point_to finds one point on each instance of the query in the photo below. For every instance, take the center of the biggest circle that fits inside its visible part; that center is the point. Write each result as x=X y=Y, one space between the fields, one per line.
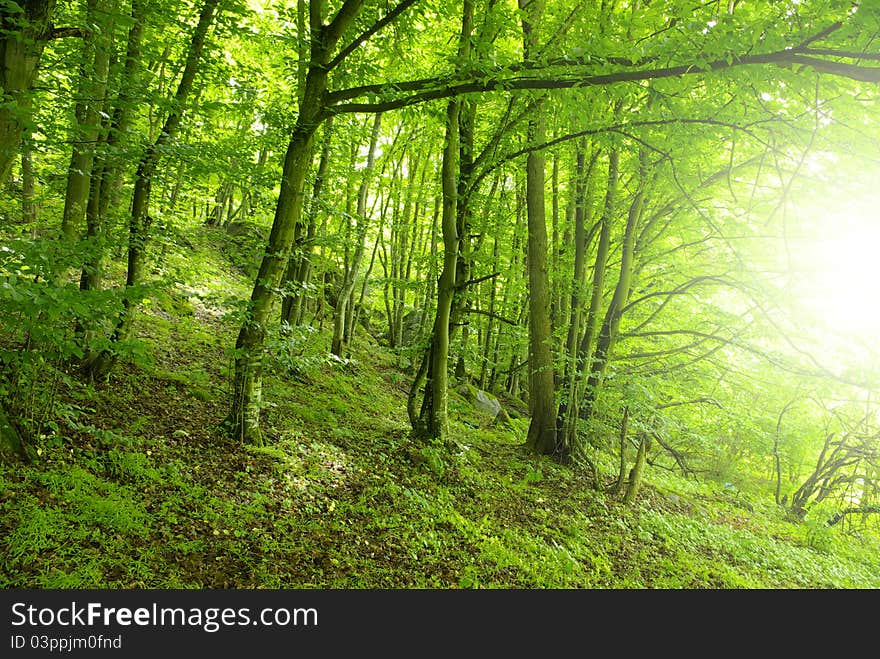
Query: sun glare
x=837 y=263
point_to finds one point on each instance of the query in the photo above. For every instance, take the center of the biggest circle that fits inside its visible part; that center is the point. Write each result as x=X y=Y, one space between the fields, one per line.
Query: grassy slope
x=143 y=491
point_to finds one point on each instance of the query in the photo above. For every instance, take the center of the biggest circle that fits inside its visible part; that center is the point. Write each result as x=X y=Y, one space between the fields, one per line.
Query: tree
x=243 y=420
x=25 y=29
x=140 y=220
x=796 y=48
x=342 y=326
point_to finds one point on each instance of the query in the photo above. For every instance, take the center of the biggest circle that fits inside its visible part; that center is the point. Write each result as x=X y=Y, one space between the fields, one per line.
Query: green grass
x=138 y=488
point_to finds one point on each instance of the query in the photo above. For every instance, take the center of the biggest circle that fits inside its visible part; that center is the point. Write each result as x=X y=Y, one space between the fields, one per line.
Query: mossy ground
x=139 y=488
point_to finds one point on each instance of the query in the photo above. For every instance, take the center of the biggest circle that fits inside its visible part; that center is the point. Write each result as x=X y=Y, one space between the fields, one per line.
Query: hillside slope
x=138 y=488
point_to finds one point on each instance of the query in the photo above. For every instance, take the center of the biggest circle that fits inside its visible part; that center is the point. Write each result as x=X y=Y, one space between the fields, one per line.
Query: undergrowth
x=136 y=486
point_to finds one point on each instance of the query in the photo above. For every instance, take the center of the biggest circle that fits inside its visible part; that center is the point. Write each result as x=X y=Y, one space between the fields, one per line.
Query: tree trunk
x=94 y=69
x=542 y=428
x=433 y=420
x=140 y=220
x=542 y=435
x=28 y=182
x=25 y=28
x=243 y=420
x=582 y=361
x=487 y=340
x=299 y=268
x=107 y=169
x=635 y=474
x=608 y=332
x=621 y=474
x=578 y=291
x=776 y=459
x=343 y=315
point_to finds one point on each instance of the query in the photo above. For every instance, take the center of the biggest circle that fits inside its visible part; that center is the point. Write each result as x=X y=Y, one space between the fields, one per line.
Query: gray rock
x=487 y=403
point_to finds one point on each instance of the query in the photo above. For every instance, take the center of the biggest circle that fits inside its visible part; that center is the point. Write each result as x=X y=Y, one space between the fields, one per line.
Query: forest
x=400 y=294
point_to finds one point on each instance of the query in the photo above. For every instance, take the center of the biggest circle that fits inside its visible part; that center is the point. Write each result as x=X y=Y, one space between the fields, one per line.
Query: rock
x=249 y=229
x=468 y=392
x=502 y=419
x=487 y=403
x=484 y=402
x=412 y=323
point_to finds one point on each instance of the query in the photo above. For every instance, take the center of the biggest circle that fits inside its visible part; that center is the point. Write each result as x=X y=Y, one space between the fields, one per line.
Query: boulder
x=412 y=323
x=487 y=403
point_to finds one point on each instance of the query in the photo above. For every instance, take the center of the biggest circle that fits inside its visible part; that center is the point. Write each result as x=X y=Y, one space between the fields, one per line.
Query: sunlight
x=836 y=257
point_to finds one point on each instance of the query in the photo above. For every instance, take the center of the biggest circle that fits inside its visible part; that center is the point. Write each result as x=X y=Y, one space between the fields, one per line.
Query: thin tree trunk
x=776 y=458
x=433 y=423
x=342 y=316
x=25 y=28
x=433 y=420
x=94 y=69
x=583 y=363
x=243 y=420
x=572 y=365
x=140 y=220
x=487 y=341
x=299 y=268
x=107 y=170
x=28 y=182
x=608 y=332
x=635 y=474
x=621 y=473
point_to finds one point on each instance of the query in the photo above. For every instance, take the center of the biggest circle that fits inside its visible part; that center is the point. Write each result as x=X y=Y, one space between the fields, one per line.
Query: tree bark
x=433 y=422
x=107 y=170
x=243 y=420
x=565 y=434
x=94 y=69
x=621 y=473
x=608 y=333
x=140 y=220
x=299 y=268
x=28 y=181
x=25 y=28
x=542 y=427
x=583 y=364
x=342 y=316
x=635 y=474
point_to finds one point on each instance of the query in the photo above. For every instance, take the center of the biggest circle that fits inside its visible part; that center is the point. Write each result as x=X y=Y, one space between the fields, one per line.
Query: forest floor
x=136 y=487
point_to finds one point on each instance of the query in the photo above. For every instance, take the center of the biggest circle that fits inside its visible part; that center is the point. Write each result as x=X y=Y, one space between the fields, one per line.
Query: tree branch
x=438 y=88
x=471 y=282
x=64 y=32
x=695 y=401
x=852 y=511
x=369 y=32
x=819 y=35
x=681 y=289
x=492 y=315
x=332 y=32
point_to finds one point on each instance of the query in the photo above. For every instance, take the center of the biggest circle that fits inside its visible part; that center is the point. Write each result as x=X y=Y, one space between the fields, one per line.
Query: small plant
x=818 y=534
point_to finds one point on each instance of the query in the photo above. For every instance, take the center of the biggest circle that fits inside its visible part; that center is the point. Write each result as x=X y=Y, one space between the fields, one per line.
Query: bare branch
x=438 y=88
x=492 y=315
x=852 y=511
x=471 y=282
x=695 y=401
x=390 y=17
x=820 y=35
x=64 y=32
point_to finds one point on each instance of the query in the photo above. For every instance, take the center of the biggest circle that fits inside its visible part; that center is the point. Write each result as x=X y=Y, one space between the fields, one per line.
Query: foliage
x=695 y=166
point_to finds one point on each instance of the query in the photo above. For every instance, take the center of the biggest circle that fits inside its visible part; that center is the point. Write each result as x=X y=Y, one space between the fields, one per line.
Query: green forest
x=431 y=294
